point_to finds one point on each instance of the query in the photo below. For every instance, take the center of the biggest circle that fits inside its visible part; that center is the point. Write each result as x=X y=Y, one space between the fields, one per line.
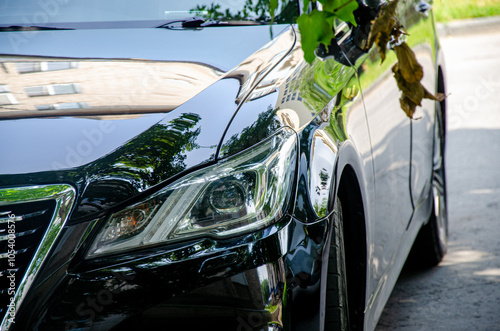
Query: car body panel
x=403 y=174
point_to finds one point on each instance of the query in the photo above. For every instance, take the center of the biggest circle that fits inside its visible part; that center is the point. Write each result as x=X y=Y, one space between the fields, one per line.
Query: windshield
x=130 y=13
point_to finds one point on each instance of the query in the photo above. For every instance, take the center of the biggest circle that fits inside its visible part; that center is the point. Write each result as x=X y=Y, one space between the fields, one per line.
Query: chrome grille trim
x=64 y=197
x=20 y=218
x=5 y=255
x=20 y=234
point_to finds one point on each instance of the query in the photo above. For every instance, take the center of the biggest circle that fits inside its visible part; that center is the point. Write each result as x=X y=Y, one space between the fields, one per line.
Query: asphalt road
x=463 y=292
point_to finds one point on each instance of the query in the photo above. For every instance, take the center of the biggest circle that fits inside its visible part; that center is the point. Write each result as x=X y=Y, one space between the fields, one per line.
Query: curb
x=468 y=26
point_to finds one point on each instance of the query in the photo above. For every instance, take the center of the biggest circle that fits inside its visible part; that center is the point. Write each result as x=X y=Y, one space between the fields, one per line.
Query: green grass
x=447 y=10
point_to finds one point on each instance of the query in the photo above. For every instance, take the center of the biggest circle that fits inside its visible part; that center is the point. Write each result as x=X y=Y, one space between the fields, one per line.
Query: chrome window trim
x=64 y=196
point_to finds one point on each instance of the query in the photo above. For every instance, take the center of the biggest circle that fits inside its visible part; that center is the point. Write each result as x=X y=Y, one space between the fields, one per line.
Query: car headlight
x=244 y=192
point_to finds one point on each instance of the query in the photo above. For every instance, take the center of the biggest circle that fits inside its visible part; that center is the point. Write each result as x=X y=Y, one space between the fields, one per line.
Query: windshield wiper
x=198 y=22
x=29 y=28
x=190 y=22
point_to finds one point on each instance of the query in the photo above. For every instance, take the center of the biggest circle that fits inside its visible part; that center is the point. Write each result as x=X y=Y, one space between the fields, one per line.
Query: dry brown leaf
x=412 y=93
x=438 y=97
x=407 y=72
x=398 y=30
x=410 y=69
x=407 y=105
x=382 y=28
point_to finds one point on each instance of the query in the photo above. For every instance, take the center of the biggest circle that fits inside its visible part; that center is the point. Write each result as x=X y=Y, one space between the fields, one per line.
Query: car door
x=390 y=134
x=401 y=147
x=423 y=43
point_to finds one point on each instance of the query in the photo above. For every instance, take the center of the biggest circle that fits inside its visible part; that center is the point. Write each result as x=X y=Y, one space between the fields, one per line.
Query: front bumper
x=269 y=279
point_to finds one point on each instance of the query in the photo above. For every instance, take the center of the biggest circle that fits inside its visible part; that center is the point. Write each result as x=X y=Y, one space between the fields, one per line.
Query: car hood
x=115 y=112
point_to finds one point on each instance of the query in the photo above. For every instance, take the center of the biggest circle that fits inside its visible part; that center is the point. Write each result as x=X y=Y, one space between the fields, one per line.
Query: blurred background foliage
x=448 y=10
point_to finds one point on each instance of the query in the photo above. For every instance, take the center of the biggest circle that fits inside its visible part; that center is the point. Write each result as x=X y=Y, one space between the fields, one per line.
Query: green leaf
x=345 y=10
x=314 y=29
x=306 y=4
x=329 y=5
x=273 y=5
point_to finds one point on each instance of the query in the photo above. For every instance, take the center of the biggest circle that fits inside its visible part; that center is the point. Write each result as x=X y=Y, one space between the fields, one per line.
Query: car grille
x=31 y=219
x=29 y=222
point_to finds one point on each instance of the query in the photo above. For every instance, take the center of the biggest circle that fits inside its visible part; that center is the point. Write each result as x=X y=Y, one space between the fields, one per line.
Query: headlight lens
x=241 y=193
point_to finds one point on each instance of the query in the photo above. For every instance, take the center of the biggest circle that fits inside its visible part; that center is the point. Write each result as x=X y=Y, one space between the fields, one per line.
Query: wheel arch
x=355 y=241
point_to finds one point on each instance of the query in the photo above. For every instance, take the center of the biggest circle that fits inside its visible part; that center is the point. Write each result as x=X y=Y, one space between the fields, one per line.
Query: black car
x=179 y=165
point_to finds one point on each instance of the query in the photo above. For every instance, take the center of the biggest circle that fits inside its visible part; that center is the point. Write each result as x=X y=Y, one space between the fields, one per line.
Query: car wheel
x=336 y=307
x=432 y=241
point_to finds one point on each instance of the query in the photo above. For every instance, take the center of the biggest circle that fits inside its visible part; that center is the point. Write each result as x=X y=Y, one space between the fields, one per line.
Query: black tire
x=336 y=307
x=432 y=241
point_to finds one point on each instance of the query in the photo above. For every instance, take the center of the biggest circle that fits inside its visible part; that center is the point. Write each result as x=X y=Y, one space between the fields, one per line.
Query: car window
x=62 y=13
